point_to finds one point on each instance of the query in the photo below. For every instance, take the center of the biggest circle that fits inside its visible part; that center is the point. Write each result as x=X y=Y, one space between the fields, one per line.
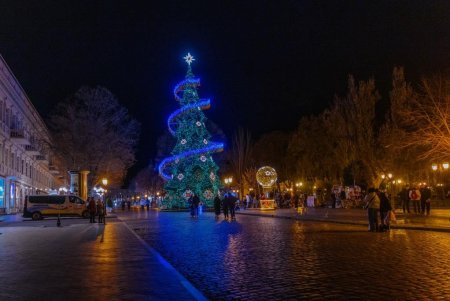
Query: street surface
x=258 y=258
x=81 y=261
x=253 y=258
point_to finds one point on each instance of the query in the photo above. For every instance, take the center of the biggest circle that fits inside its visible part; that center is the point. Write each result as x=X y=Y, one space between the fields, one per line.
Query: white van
x=39 y=206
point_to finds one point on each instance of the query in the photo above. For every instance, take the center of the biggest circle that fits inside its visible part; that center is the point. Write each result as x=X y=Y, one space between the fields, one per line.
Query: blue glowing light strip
x=181 y=85
x=214 y=147
x=202 y=104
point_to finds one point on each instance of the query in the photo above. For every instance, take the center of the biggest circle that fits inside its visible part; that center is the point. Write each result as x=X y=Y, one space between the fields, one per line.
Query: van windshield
x=76 y=200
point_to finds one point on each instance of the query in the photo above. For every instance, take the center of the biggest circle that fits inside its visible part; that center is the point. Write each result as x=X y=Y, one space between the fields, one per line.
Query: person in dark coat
x=231 y=201
x=404 y=197
x=225 y=206
x=92 y=207
x=217 y=206
x=191 y=205
x=195 y=203
x=100 y=211
x=425 y=200
x=296 y=198
x=385 y=207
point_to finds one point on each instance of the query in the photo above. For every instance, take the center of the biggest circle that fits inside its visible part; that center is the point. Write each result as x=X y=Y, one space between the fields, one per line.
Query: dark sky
x=263 y=63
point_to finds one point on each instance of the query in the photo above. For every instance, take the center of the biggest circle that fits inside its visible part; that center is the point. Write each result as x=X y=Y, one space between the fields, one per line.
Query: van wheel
x=36 y=216
x=85 y=214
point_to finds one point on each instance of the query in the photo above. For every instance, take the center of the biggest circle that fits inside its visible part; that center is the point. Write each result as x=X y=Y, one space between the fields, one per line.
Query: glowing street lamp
x=105 y=181
x=228 y=181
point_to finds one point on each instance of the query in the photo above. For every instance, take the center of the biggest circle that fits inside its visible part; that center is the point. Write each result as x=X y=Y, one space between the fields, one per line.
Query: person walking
x=191 y=205
x=196 y=204
x=385 y=207
x=232 y=205
x=225 y=206
x=217 y=205
x=372 y=204
x=404 y=198
x=425 y=200
x=231 y=200
x=414 y=196
x=247 y=201
x=92 y=209
x=100 y=211
x=296 y=199
x=333 y=200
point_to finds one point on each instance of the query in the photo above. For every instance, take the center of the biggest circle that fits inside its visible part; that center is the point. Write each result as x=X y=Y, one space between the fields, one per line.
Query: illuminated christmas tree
x=191 y=168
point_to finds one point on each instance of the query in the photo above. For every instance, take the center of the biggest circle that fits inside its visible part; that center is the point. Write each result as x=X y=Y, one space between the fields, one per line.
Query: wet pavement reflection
x=256 y=258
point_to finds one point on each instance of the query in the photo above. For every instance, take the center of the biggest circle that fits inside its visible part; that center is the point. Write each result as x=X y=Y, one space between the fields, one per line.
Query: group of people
x=377 y=202
x=194 y=205
x=96 y=208
x=227 y=205
x=419 y=198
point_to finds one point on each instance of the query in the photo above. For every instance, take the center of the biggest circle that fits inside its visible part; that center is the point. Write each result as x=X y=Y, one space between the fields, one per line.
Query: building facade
x=26 y=160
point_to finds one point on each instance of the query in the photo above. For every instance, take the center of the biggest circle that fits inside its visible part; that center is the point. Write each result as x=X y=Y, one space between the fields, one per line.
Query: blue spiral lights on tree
x=191 y=168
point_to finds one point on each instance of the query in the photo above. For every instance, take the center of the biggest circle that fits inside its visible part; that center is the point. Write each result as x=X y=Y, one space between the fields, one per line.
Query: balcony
x=41 y=159
x=18 y=137
x=31 y=150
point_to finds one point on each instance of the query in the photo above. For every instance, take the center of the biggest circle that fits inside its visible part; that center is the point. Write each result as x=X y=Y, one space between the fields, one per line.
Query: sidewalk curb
x=334 y=221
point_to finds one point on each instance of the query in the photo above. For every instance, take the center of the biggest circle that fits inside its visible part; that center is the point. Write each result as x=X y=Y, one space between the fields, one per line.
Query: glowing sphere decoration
x=266 y=176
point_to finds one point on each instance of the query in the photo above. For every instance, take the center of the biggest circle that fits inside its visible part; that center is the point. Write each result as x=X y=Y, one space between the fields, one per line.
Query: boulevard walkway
x=438 y=220
x=83 y=261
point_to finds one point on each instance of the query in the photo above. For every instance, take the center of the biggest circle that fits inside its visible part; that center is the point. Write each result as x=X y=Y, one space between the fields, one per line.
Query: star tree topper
x=189 y=58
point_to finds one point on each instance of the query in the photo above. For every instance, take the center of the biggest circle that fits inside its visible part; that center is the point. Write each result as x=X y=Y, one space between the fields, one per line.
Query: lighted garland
x=202 y=104
x=191 y=165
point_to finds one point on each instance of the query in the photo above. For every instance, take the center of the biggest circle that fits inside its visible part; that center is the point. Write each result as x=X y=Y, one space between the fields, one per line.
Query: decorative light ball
x=203 y=158
x=198 y=123
x=183 y=141
x=212 y=176
x=180 y=176
x=205 y=141
x=208 y=194
x=266 y=176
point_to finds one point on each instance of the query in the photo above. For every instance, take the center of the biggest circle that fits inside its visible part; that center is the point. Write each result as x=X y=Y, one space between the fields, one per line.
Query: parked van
x=39 y=206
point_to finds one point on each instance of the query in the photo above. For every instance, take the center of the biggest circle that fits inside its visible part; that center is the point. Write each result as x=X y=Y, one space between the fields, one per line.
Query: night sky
x=264 y=64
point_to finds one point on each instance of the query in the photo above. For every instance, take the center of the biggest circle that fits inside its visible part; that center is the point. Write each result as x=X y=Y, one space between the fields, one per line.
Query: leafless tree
x=148 y=181
x=240 y=156
x=426 y=119
x=93 y=131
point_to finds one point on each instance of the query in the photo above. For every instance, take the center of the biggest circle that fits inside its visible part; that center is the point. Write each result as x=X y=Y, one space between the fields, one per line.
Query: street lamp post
x=228 y=181
x=440 y=182
x=104 y=182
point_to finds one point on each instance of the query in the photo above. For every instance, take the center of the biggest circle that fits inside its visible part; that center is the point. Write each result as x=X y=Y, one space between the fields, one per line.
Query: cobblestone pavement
x=257 y=258
x=82 y=261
